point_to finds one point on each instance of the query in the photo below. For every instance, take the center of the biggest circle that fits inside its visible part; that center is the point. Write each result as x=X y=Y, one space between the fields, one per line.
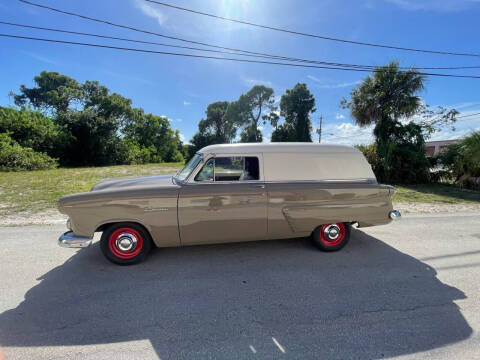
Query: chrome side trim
x=70 y=240
x=206 y=182
x=326 y=181
x=149 y=209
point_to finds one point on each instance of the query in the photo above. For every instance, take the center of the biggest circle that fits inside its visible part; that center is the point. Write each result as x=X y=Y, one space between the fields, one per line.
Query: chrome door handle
x=261 y=186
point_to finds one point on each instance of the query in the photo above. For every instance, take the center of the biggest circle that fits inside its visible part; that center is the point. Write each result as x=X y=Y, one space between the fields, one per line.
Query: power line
x=221 y=58
x=464 y=116
x=261 y=55
x=125 y=39
x=132 y=28
x=311 y=35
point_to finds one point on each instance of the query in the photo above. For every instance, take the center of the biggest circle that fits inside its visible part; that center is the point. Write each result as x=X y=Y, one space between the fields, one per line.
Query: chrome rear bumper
x=70 y=240
x=395 y=215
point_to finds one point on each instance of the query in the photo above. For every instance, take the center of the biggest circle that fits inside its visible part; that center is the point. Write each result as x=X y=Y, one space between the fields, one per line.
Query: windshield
x=191 y=165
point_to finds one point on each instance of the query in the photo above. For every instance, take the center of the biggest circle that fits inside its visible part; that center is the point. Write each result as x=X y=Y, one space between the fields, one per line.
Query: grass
x=35 y=191
x=435 y=194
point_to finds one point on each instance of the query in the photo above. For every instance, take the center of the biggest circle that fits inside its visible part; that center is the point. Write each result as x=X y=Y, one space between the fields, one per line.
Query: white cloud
x=463 y=127
x=127 y=77
x=151 y=11
x=347 y=134
x=186 y=103
x=39 y=57
x=339 y=116
x=434 y=5
x=332 y=86
x=252 y=82
x=182 y=137
x=340 y=85
x=314 y=78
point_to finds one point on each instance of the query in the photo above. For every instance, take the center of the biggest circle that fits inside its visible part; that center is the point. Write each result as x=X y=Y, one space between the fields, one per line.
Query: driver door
x=225 y=201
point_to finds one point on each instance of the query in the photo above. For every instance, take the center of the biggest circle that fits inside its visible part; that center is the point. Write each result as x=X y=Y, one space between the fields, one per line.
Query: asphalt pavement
x=409 y=289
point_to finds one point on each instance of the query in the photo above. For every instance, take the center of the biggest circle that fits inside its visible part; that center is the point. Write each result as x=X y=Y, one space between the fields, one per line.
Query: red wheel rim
x=332 y=234
x=125 y=243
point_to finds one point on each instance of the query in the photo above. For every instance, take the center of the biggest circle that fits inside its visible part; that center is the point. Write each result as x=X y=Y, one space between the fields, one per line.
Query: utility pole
x=319 y=131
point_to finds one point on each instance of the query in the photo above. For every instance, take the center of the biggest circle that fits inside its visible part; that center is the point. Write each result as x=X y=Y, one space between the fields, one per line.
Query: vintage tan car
x=233 y=193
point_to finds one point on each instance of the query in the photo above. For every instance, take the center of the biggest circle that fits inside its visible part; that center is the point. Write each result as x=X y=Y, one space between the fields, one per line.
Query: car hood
x=111 y=184
x=118 y=189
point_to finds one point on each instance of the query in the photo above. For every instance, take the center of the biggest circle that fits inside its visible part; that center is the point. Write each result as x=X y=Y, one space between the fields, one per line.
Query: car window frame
x=208 y=157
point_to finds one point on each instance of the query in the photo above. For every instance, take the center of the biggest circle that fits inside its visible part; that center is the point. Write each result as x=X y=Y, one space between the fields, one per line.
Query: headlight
x=69 y=224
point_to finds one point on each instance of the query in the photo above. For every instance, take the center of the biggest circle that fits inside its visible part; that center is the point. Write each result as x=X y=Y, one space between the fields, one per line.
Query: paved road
x=406 y=289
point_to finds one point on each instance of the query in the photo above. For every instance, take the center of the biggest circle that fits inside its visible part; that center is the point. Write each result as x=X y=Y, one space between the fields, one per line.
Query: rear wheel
x=125 y=243
x=331 y=237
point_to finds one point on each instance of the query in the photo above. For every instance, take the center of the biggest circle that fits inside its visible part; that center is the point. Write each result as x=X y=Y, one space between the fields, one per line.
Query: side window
x=251 y=169
x=230 y=168
x=206 y=174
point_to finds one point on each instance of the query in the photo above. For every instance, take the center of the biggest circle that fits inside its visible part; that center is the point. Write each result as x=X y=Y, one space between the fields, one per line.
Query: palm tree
x=383 y=98
x=386 y=96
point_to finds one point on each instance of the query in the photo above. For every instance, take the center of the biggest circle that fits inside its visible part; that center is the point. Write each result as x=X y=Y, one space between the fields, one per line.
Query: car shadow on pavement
x=244 y=300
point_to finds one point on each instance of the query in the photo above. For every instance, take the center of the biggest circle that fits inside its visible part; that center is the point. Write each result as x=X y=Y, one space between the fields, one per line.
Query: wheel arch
x=104 y=225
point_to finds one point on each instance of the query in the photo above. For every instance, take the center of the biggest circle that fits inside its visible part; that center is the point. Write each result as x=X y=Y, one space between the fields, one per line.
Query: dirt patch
x=428 y=208
x=47 y=217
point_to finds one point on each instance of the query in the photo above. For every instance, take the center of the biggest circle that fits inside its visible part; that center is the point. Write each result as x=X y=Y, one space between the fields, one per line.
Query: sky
x=181 y=88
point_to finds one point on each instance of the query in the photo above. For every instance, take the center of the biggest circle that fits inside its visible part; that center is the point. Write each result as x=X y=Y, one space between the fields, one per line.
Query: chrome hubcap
x=126 y=242
x=332 y=232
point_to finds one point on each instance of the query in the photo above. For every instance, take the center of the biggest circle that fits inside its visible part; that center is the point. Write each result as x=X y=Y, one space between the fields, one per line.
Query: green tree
x=296 y=106
x=153 y=132
x=257 y=104
x=383 y=99
x=102 y=127
x=216 y=128
x=106 y=105
x=53 y=92
x=96 y=141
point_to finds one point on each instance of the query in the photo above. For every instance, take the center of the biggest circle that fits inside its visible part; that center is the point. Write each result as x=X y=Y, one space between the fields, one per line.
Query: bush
x=462 y=159
x=403 y=159
x=31 y=129
x=14 y=157
x=369 y=151
x=177 y=157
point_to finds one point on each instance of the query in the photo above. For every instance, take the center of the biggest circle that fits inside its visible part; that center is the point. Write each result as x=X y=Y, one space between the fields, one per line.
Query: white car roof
x=283 y=147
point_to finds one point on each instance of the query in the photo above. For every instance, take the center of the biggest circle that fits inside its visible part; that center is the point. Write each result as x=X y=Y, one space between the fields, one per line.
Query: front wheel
x=331 y=237
x=125 y=243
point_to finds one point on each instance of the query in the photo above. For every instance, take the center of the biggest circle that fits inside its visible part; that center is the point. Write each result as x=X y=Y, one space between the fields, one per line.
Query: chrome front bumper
x=70 y=240
x=395 y=215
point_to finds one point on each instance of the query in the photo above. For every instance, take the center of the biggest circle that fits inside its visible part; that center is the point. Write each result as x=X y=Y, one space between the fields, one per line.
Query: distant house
x=433 y=148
